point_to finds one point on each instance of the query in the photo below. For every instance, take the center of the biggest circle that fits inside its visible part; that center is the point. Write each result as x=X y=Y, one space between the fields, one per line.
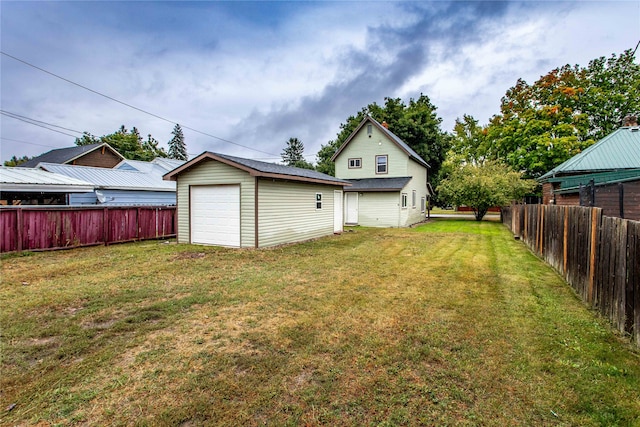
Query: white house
x=389 y=179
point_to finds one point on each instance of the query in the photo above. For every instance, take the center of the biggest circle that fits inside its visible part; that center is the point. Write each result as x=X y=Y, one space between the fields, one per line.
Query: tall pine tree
x=177 y=146
x=293 y=154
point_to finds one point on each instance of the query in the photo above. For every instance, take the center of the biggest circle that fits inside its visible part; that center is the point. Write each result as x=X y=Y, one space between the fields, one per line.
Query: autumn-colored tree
x=563 y=112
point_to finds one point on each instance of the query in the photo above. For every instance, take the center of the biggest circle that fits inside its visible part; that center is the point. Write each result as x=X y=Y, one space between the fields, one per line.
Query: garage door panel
x=215 y=215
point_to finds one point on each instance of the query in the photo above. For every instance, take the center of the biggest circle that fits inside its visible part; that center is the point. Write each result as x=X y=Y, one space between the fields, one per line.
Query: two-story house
x=389 y=179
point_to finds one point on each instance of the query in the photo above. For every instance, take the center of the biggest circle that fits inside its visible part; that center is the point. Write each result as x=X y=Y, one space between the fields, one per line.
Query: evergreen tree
x=293 y=154
x=177 y=146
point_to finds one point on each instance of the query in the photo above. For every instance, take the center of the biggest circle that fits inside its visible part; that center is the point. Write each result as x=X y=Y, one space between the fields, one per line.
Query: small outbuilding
x=231 y=201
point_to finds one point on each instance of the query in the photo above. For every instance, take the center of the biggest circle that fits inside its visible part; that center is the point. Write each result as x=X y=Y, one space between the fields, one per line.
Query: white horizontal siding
x=211 y=172
x=379 y=209
x=418 y=183
x=287 y=212
x=365 y=148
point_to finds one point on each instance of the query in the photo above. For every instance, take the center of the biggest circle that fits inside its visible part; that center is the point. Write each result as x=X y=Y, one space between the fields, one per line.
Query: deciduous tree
x=483 y=185
x=128 y=143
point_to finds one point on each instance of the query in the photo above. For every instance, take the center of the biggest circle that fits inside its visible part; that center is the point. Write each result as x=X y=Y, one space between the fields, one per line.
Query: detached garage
x=230 y=201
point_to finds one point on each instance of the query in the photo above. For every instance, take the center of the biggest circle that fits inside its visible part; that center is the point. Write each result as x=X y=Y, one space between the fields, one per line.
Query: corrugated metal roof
x=618 y=150
x=159 y=165
x=29 y=179
x=378 y=184
x=114 y=179
x=602 y=178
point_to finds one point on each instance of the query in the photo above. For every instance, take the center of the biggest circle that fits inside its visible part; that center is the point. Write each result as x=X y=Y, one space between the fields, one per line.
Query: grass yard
x=450 y=323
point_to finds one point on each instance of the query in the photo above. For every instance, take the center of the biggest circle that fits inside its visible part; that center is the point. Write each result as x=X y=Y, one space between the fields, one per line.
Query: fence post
x=105 y=226
x=621 y=198
x=592 y=253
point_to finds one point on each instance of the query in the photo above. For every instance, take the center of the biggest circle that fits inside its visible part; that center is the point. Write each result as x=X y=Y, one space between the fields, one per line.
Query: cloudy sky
x=244 y=77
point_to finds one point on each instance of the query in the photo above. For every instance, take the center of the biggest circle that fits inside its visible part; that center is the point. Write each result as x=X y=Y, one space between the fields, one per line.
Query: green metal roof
x=572 y=183
x=618 y=150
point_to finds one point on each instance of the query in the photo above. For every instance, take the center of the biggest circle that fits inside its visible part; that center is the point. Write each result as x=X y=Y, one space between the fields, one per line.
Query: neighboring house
x=117 y=187
x=28 y=186
x=606 y=175
x=231 y=201
x=99 y=155
x=389 y=180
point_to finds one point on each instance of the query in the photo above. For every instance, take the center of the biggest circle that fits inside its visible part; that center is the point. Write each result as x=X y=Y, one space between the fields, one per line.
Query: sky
x=243 y=77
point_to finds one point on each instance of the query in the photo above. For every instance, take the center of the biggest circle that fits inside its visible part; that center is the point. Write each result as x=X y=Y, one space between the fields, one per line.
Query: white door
x=351 y=208
x=215 y=215
x=337 y=211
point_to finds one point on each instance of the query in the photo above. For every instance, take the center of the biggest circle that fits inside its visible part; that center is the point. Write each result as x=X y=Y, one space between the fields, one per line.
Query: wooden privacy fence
x=42 y=228
x=599 y=256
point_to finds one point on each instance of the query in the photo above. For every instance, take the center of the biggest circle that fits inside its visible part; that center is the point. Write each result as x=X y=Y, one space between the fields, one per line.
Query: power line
x=27 y=142
x=18 y=116
x=36 y=124
x=131 y=106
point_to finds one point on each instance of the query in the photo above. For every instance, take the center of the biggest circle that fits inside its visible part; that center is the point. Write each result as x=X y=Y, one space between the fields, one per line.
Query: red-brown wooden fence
x=43 y=228
x=599 y=256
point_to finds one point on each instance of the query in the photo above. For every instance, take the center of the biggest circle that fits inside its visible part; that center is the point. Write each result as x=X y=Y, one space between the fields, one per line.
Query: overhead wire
x=36 y=124
x=132 y=106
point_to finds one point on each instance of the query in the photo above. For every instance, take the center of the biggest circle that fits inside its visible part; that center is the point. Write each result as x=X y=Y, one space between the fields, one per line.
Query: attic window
x=355 y=163
x=369 y=129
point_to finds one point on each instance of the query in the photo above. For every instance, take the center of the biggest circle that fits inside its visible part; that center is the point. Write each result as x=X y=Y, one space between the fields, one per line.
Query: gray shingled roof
x=262 y=168
x=60 y=155
x=281 y=169
x=378 y=184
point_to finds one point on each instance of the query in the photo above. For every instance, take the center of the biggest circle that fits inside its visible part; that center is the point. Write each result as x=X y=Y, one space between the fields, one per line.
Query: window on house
x=381 y=164
x=404 y=200
x=423 y=204
x=413 y=199
x=369 y=129
x=318 y=200
x=355 y=163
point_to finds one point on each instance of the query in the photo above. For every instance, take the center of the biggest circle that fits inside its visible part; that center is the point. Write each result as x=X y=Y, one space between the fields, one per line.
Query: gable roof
x=392 y=137
x=112 y=179
x=618 y=150
x=38 y=180
x=67 y=155
x=261 y=169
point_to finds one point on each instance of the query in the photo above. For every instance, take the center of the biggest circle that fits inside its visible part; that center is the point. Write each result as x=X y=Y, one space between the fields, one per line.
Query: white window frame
x=355 y=163
x=318 y=201
x=413 y=199
x=385 y=164
x=403 y=200
x=423 y=204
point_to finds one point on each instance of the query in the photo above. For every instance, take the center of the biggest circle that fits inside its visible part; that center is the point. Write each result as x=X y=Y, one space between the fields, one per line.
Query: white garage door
x=215 y=215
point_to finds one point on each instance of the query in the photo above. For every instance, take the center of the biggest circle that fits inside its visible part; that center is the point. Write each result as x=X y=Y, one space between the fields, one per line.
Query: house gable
x=100 y=155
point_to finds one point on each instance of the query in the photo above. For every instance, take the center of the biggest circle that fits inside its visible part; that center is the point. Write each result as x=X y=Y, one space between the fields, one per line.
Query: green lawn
x=450 y=323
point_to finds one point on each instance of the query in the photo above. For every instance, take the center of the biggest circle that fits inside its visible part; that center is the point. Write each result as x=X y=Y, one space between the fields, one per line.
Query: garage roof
x=261 y=169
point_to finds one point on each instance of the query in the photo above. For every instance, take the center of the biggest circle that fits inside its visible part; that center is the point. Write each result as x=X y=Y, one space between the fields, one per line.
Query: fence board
x=64 y=227
x=599 y=256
